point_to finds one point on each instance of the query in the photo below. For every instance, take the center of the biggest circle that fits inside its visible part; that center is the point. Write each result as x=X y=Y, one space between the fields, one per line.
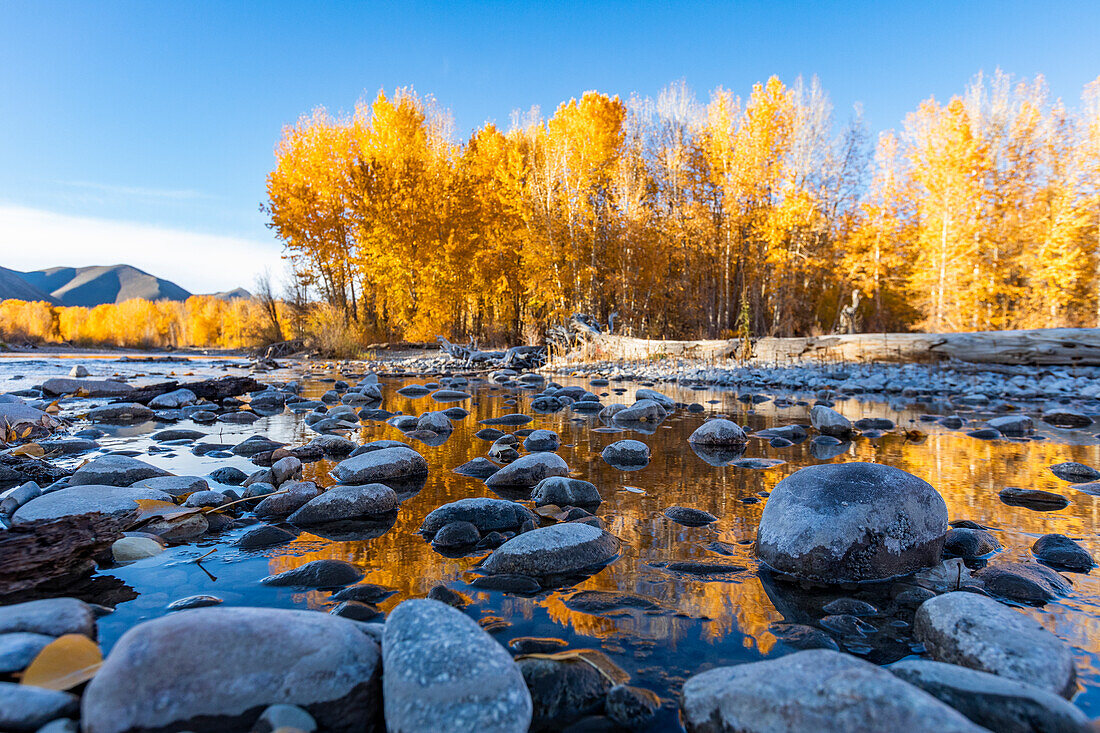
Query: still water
x=706 y=622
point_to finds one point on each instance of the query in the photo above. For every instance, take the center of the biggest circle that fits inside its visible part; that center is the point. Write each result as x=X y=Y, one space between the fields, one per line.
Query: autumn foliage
x=679 y=218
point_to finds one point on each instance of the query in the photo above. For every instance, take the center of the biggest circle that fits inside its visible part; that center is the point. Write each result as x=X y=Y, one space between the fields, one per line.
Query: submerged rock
x=814 y=690
x=980 y=633
x=443 y=672
x=1040 y=501
x=321 y=663
x=851 y=522
x=562 y=690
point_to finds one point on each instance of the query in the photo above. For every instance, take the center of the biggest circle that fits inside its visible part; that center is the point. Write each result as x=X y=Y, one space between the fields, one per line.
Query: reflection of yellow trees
x=968 y=472
x=201 y=320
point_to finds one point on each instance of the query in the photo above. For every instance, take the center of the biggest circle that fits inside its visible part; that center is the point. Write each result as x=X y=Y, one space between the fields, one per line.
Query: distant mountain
x=14 y=286
x=91 y=286
x=233 y=294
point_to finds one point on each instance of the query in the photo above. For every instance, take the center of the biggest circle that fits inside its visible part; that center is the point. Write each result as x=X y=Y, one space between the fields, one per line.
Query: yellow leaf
x=53 y=408
x=29 y=449
x=152 y=508
x=64 y=663
x=26 y=432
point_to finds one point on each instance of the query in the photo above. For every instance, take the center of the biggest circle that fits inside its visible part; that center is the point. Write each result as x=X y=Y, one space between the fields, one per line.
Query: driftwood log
x=1045 y=346
x=50 y=550
x=214 y=390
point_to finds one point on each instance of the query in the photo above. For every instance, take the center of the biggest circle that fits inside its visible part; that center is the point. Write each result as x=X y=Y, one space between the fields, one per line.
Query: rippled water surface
x=708 y=622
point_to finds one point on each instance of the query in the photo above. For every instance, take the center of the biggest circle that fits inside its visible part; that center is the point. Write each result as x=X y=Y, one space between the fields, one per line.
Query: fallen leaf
x=151 y=508
x=64 y=663
x=29 y=449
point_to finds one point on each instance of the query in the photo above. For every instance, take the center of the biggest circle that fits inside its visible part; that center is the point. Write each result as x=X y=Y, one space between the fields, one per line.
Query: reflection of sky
x=714 y=623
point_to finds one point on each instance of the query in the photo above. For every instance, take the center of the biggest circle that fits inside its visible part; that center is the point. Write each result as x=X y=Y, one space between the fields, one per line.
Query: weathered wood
x=1048 y=346
x=43 y=551
x=214 y=390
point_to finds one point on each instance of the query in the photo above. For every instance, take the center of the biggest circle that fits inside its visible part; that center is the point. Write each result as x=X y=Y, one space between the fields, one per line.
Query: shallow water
x=708 y=622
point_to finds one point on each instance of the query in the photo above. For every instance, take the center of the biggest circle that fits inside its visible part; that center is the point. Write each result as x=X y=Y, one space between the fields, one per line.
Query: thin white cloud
x=34 y=239
x=137 y=191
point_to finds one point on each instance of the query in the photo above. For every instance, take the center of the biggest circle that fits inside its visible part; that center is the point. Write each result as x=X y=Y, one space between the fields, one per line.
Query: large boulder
x=562 y=549
x=116 y=501
x=488 y=515
x=978 y=632
x=813 y=690
x=444 y=672
x=528 y=471
x=219 y=668
x=997 y=703
x=380 y=465
x=851 y=522
x=115 y=470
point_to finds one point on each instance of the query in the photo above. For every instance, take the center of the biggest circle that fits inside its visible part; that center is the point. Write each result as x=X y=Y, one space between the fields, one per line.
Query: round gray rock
x=444 y=672
x=346 y=502
x=321 y=663
x=718 y=431
x=813 y=690
x=558 y=549
x=565 y=491
x=116 y=501
x=115 y=471
x=380 y=465
x=529 y=470
x=851 y=522
x=978 y=632
x=488 y=515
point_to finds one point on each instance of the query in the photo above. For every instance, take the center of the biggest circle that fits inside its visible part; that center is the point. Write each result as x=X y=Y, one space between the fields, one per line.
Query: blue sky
x=130 y=131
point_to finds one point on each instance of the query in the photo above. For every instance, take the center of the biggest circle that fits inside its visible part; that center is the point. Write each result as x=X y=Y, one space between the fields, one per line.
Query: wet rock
x=847 y=625
x=513 y=419
x=1026 y=582
x=116 y=501
x=558 y=549
x=456 y=534
x=611 y=603
x=980 y=633
x=536 y=645
x=969 y=543
x=178 y=529
x=642 y=411
x=285 y=718
x=28 y=708
x=1040 y=501
x=114 y=470
x=452 y=598
x=120 y=413
x=175 y=399
x=285 y=469
x=413 y=390
x=1013 y=425
x=850 y=607
x=450 y=395
x=994 y=702
x=632 y=707
x=851 y=522
x=478 y=468
x=800 y=636
x=1066 y=418
x=88 y=387
x=489 y=434
x=566 y=491
x=364 y=592
x=356 y=611
x=1075 y=473
x=203 y=499
x=541 y=440
x=66 y=446
x=255 y=445
x=228 y=475
x=985 y=434
x=132 y=549
x=49 y=617
x=814 y=690
x=690 y=517
x=528 y=471
x=435 y=422
x=650 y=394
x=503 y=452
x=1060 y=551
x=487 y=515
x=19 y=649
x=380 y=465
x=174 y=485
x=828 y=421
x=200 y=601
x=346 y=502
x=321 y=663
x=317 y=574
x=333 y=445
x=297 y=495
x=266 y=535
x=626 y=453
x=562 y=690
x=177 y=434
x=719 y=432
x=507 y=583
x=443 y=672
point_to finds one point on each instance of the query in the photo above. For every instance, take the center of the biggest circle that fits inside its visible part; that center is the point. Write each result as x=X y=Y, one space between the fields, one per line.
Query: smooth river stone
x=559 y=549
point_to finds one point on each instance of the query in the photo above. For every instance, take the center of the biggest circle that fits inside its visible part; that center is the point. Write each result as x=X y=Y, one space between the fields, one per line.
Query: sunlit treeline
x=201 y=320
x=689 y=217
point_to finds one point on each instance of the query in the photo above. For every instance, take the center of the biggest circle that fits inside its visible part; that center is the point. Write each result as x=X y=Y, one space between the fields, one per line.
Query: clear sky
x=141 y=132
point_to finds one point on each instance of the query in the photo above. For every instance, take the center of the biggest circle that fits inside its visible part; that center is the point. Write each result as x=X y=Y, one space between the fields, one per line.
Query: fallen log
x=214 y=390
x=1046 y=346
x=52 y=550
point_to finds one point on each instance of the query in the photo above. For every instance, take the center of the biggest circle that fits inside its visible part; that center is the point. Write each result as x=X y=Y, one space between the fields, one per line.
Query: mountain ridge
x=94 y=285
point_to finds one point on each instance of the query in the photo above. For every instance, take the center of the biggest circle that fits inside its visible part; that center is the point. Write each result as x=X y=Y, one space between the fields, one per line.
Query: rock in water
x=380 y=465
x=1026 y=582
x=828 y=421
x=115 y=471
x=559 y=549
x=346 y=502
x=1075 y=473
x=488 y=515
x=626 y=453
x=317 y=574
x=565 y=491
x=563 y=690
x=718 y=432
x=443 y=672
x=813 y=690
x=994 y=702
x=851 y=522
x=1060 y=551
x=49 y=617
x=978 y=632
x=114 y=501
x=219 y=668
x=529 y=470
x=28 y=708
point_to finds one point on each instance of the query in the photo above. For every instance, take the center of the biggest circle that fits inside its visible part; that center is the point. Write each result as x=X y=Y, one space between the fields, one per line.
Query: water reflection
x=711 y=620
